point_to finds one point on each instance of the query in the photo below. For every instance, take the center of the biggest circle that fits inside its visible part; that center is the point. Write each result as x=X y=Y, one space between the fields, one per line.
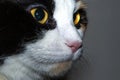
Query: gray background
x=101 y=59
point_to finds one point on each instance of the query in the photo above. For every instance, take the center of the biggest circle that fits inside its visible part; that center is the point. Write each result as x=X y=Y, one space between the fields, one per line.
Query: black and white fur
x=30 y=51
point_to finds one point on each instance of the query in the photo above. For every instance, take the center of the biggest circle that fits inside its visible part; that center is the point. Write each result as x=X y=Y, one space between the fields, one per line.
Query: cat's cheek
x=81 y=33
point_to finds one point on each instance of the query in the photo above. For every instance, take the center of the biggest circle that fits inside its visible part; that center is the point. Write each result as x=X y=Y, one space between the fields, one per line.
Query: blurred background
x=101 y=58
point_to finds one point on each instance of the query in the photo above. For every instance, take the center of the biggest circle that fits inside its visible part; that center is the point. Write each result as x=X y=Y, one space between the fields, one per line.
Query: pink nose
x=74 y=45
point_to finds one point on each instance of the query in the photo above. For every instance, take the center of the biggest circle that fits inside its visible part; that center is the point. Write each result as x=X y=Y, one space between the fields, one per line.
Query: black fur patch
x=17 y=26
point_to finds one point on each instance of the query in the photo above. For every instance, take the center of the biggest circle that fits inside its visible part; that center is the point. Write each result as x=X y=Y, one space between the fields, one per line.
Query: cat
x=40 y=38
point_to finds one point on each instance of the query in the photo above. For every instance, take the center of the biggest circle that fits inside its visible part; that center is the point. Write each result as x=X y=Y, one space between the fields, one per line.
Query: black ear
x=15 y=23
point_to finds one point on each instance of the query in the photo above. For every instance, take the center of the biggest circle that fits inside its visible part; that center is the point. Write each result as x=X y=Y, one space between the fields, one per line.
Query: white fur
x=64 y=16
x=45 y=54
x=13 y=69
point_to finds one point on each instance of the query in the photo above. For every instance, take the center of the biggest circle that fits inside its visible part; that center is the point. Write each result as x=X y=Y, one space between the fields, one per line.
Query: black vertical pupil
x=74 y=16
x=39 y=14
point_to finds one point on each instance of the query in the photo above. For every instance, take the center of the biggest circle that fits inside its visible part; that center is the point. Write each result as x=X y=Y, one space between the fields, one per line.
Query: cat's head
x=62 y=23
x=46 y=31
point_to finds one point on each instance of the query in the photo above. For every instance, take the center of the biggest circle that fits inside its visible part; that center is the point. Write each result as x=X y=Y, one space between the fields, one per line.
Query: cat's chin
x=57 y=69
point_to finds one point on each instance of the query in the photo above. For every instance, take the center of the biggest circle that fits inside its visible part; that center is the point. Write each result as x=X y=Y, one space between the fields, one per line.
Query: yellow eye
x=77 y=18
x=40 y=15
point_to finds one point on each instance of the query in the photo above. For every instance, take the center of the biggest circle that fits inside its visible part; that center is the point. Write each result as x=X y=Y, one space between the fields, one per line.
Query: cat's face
x=62 y=40
x=47 y=31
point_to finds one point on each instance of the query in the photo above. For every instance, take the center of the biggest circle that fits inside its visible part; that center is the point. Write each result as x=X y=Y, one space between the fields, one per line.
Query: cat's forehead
x=50 y=4
x=67 y=2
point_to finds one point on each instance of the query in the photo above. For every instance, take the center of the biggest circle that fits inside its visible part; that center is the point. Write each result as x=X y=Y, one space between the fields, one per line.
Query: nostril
x=81 y=46
x=74 y=45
